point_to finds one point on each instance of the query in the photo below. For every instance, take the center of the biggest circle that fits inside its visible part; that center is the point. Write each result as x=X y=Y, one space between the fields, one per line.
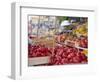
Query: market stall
x=57 y=40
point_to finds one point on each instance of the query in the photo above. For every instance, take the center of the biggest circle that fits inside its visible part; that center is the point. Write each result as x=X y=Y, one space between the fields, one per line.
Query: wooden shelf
x=38 y=60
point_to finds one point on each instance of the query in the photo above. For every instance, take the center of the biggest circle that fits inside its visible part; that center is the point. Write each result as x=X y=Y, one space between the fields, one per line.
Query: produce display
x=38 y=51
x=60 y=55
x=81 y=30
x=83 y=42
x=67 y=55
x=60 y=40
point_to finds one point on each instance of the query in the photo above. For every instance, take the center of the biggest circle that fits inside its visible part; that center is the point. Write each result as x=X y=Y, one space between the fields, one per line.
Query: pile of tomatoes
x=59 y=55
x=67 y=55
x=38 y=51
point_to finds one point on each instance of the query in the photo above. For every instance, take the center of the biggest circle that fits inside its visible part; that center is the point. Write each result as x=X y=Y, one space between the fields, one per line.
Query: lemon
x=85 y=52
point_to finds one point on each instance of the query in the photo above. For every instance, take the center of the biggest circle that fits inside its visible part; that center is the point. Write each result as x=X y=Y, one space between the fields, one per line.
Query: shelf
x=72 y=46
x=38 y=60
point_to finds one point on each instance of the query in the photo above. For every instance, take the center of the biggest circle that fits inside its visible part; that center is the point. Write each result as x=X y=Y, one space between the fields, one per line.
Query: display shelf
x=38 y=60
x=59 y=43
